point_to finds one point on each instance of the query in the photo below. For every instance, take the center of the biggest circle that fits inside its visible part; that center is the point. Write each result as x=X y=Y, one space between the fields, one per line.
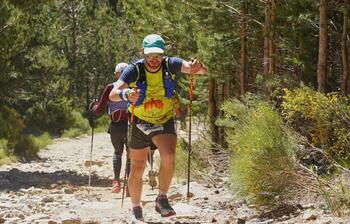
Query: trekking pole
x=125 y=178
x=92 y=144
x=129 y=138
x=189 y=140
x=150 y=157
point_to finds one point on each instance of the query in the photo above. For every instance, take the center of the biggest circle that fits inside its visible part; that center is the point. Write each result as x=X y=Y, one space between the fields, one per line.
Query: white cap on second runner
x=120 y=67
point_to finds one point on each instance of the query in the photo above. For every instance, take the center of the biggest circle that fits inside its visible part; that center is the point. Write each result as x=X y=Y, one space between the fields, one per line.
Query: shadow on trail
x=176 y=222
x=289 y=210
x=15 y=179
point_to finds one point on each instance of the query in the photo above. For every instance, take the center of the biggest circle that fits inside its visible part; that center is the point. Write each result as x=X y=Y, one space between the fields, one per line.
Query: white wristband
x=124 y=94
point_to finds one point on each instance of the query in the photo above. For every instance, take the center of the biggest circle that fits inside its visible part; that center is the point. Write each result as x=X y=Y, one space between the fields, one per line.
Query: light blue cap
x=153 y=43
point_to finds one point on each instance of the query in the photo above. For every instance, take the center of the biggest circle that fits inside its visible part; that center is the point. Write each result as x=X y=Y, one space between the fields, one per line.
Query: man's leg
x=152 y=173
x=117 y=139
x=166 y=144
x=138 y=158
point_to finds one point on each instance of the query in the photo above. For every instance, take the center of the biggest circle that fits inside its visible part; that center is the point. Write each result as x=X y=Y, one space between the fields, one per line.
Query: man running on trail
x=151 y=94
x=118 y=115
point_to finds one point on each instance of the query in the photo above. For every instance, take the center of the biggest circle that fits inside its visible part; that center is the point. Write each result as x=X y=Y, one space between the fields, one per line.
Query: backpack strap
x=168 y=80
x=140 y=82
x=141 y=74
x=166 y=68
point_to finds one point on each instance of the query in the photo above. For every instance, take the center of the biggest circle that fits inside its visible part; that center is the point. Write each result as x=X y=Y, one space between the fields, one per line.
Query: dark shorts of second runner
x=118 y=133
x=140 y=140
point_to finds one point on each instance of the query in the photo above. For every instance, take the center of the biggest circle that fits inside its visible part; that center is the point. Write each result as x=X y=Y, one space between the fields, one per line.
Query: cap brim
x=151 y=50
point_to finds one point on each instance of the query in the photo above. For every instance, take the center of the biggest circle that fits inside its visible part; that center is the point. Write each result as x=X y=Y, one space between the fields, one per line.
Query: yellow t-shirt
x=155 y=108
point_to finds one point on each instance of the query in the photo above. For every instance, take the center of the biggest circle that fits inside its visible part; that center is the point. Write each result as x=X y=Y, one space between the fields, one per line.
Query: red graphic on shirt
x=158 y=104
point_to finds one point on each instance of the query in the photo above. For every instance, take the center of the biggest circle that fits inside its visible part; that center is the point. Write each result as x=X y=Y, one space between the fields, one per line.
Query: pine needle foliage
x=262 y=168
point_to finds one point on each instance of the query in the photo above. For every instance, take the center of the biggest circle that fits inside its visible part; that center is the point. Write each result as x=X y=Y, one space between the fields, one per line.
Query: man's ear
x=142 y=51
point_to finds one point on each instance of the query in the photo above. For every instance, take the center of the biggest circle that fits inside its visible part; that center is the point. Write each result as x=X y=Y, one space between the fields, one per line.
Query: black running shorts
x=143 y=132
x=118 y=134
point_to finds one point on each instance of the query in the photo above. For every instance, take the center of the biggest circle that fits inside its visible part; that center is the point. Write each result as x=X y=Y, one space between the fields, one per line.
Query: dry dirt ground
x=54 y=189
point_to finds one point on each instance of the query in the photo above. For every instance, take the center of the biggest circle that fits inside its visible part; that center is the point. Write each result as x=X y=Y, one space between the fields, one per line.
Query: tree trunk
x=267 y=30
x=70 y=10
x=225 y=94
x=253 y=85
x=344 y=50
x=349 y=78
x=243 y=53
x=322 y=54
x=213 y=112
x=272 y=44
x=254 y=69
x=87 y=98
x=225 y=91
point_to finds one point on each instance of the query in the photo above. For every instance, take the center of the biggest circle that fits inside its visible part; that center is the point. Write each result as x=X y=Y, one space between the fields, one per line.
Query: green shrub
x=12 y=138
x=72 y=132
x=102 y=123
x=262 y=168
x=324 y=119
x=43 y=140
x=5 y=155
x=54 y=116
x=11 y=125
x=79 y=125
x=26 y=147
x=181 y=164
x=79 y=122
x=3 y=148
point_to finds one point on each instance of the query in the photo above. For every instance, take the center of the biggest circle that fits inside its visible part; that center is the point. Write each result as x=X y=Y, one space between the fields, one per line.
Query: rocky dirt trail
x=54 y=189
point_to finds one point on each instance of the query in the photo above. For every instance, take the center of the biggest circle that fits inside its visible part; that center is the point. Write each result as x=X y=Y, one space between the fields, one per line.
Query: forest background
x=276 y=90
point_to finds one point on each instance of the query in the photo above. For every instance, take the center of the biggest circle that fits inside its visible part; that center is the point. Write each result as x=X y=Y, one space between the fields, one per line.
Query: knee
x=138 y=166
x=168 y=158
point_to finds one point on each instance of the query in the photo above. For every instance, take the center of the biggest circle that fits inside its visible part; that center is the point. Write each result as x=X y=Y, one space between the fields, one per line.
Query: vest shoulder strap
x=166 y=69
x=166 y=64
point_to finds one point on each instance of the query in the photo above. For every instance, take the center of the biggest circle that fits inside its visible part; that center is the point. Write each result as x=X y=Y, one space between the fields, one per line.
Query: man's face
x=154 y=60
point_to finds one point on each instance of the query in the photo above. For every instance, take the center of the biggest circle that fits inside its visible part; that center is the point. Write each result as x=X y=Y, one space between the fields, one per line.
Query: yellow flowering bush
x=323 y=118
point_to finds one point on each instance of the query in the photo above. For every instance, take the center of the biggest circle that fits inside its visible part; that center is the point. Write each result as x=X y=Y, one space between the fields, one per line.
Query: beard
x=153 y=66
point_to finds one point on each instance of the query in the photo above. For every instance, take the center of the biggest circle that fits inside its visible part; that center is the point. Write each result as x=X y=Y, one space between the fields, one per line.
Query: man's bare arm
x=193 y=67
x=114 y=95
x=121 y=91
